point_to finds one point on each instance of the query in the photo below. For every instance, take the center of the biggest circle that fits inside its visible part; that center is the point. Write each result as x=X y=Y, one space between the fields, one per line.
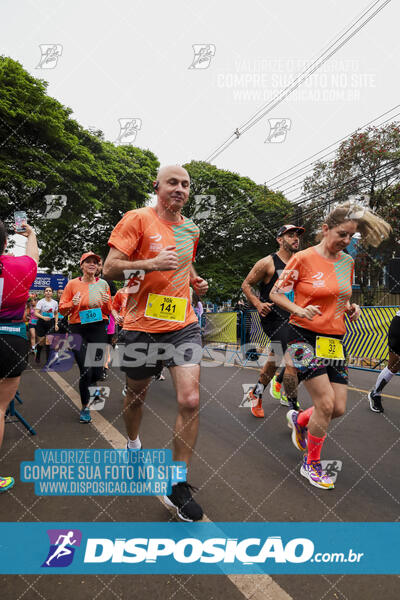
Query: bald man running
x=157 y=245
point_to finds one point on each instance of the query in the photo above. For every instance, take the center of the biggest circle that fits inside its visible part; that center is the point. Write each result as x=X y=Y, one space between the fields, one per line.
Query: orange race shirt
x=141 y=235
x=90 y=298
x=119 y=302
x=322 y=282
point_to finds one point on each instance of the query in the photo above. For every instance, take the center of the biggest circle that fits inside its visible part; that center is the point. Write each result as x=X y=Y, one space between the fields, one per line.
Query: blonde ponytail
x=373 y=229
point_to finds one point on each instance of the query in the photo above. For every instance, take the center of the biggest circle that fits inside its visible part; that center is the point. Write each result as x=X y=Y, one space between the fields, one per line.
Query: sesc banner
x=56 y=281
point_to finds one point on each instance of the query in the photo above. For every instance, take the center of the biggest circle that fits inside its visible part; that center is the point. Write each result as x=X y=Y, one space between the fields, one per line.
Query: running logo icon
x=331 y=468
x=97 y=397
x=54 y=206
x=50 y=53
x=203 y=206
x=62 y=358
x=203 y=53
x=133 y=280
x=63 y=543
x=128 y=129
x=246 y=402
x=278 y=129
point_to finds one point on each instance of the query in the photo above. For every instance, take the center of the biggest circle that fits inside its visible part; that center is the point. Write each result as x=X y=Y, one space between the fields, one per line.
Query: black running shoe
x=294 y=404
x=375 y=402
x=181 y=498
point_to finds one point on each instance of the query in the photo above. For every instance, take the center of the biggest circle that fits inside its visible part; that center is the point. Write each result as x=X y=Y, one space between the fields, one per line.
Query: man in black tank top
x=274 y=320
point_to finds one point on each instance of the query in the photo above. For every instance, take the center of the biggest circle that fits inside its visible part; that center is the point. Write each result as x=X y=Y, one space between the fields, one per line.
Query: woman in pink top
x=17 y=273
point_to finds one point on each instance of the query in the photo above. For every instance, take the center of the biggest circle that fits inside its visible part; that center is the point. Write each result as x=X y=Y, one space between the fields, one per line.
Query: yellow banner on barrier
x=221 y=327
x=367 y=337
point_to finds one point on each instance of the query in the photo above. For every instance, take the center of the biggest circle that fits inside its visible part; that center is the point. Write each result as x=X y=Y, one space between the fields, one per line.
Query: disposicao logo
x=193 y=550
x=62 y=547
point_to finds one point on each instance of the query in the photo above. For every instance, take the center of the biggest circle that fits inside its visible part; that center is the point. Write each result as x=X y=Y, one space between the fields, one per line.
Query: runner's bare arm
x=263 y=270
x=353 y=311
x=278 y=297
x=31 y=244
x=65 y=304
x=39 y=315
x=117 y=262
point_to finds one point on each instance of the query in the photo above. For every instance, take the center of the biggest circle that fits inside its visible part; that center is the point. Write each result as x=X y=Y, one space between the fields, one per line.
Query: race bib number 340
x=166 y=308
x=92 y=315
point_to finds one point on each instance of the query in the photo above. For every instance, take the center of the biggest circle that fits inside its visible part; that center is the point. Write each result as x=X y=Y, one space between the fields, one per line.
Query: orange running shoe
x=256 y=404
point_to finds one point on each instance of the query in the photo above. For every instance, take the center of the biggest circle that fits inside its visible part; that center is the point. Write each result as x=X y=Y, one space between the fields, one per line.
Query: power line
x=300 y=184
x=299 y=79
x=332 y=43
x=329 y=201
x=355 y=178
x=307 y=213
x=248 y=124
x=388 y=172
x=279 y=176
x=292 y=87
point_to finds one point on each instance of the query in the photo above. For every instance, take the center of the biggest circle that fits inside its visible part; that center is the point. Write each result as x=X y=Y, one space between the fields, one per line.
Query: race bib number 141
x=166 y=308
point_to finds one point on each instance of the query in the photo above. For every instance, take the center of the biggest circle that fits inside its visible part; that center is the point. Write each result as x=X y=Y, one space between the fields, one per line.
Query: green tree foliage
x=45 y=152
x=238 y=225
x=366 y=169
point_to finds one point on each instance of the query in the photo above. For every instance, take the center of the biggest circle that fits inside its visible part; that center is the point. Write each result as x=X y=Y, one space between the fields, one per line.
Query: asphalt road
x=246 y=469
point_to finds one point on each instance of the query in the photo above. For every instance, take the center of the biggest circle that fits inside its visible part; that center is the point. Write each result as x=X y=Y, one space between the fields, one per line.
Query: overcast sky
x=130 y=60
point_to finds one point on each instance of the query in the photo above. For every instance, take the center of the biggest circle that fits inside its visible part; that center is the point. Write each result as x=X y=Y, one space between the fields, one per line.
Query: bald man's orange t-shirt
x=321 y=282
x=141 y=235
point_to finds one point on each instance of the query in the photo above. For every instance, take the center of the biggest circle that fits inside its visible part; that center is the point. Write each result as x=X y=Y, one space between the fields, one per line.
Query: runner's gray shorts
x=145 y=354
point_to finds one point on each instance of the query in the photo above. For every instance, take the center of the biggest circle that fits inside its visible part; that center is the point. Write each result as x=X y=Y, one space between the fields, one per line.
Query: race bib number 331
x=166 y=308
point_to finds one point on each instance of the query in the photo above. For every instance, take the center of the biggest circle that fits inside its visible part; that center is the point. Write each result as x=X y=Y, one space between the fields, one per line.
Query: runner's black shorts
x=276 y=330
x=91 y=333
x=301 y=347
x=44 y=327
x=14 y=355
x=394 y=335
x=63 y=325
x=146 y=354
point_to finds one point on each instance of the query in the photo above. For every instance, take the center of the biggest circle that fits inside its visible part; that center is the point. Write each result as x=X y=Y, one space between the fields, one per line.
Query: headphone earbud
x=156 y=185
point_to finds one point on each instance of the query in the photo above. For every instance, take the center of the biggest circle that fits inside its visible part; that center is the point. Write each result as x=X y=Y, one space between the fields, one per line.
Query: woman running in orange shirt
x=86 y=301
x=321 y=277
